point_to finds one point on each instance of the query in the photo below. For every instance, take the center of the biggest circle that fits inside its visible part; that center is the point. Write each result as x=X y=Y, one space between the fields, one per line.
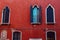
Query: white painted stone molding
x=4 y=34
x=35 y=39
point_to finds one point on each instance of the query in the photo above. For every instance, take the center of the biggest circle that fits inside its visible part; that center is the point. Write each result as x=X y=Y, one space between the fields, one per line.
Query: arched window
x=50 y=15
x=51 y=35
x=35 y=15
x=16 y=35
x=5 y=15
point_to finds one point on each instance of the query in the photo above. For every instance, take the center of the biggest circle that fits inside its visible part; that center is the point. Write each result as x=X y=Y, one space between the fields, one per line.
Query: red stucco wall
x=20 y=18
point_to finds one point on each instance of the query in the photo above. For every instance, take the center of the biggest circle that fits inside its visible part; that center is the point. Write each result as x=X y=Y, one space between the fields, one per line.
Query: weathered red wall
x=20 y=18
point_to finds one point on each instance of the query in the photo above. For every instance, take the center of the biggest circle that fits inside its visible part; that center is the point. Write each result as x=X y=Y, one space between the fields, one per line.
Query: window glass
x=5 y=15
x=50 y=15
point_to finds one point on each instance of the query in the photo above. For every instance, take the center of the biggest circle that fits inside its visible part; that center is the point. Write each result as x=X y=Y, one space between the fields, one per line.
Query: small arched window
x=16 y=35
x=5 y=15
x=35 y=14
x=51 y=35
x=50 y=15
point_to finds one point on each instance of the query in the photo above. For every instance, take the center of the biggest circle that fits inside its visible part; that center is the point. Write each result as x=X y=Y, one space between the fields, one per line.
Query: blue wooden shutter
x=35 y=14
x=31 y=12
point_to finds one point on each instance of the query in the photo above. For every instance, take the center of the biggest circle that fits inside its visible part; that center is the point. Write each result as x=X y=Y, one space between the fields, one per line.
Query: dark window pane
x=6 y=15
x=16 y=36
x=50 y=36
x=50 y=16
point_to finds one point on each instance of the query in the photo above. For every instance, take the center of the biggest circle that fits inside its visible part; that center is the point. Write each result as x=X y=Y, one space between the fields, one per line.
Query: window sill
x=36 y=23
x=5 y=24
x=50 y=23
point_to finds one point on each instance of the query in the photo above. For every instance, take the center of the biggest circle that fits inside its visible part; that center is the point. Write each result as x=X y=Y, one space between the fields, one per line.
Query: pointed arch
x=35 y=14
x=50 y=14
x=5 y=15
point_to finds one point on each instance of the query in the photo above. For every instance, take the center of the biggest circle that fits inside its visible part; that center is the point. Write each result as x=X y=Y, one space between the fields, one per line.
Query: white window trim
x=35 y=23
x=53 y=14
x=51 y=31
x=16 y=31
x=37 y=7
x=35 y=38
x=2 y=16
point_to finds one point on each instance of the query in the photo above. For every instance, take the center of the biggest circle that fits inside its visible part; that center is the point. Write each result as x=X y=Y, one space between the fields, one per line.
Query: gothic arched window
x=35 y=14
x=50 y=15
x=5 y=15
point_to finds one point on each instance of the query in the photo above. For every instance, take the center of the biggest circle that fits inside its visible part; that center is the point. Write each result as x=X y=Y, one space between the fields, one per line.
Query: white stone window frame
x=13 y=30
x=37 y=7
x=2 y=16
x=51 y=31
x=35 y=38
x=53 y=14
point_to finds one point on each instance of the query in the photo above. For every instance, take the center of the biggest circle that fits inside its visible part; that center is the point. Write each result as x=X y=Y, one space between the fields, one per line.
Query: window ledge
x=52 y=23
x=5 y=24
x=36 y=23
